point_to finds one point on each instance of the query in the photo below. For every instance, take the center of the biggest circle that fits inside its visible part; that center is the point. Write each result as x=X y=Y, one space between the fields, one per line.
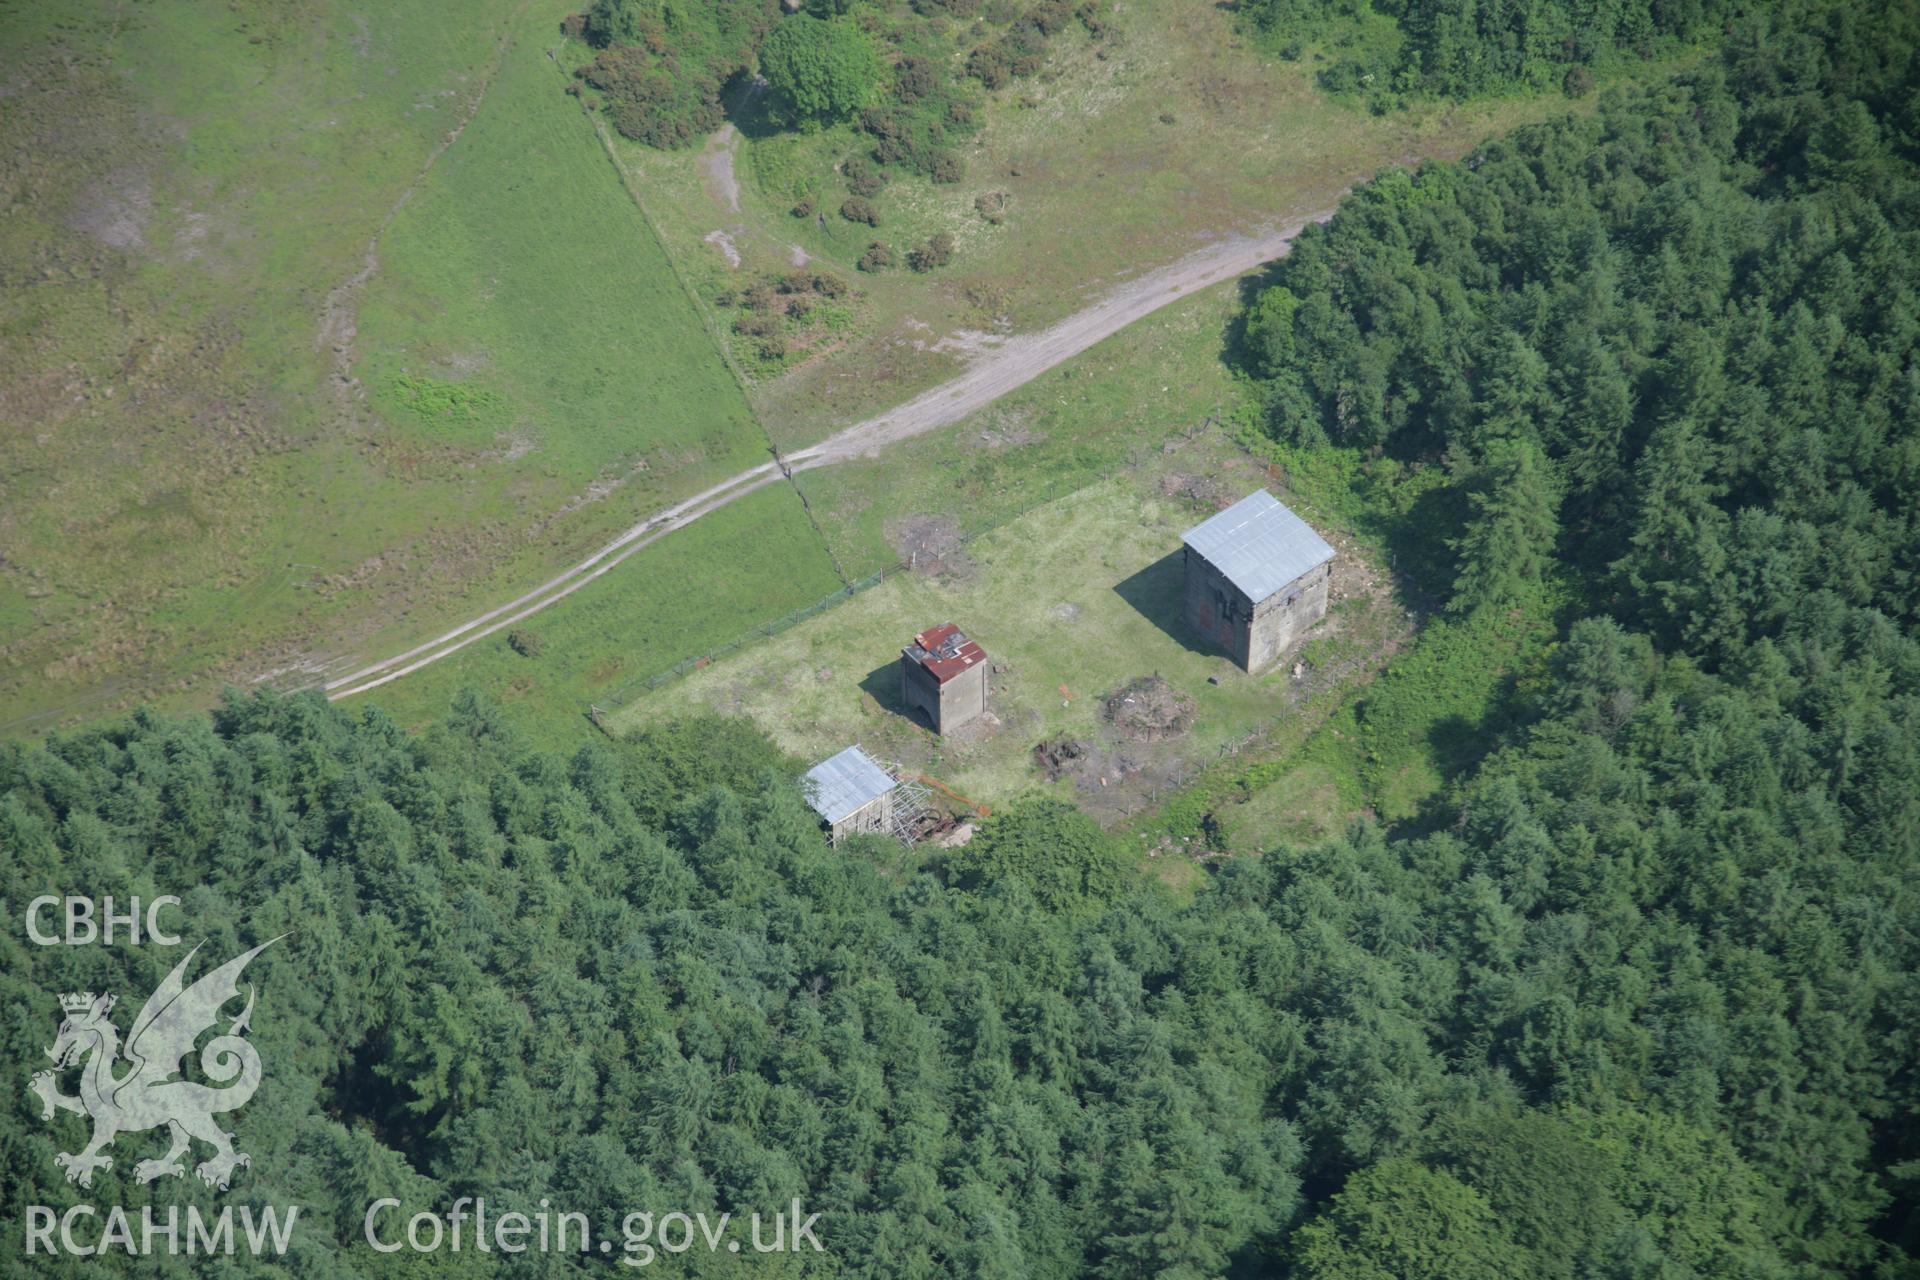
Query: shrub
x=525 y=643
x=653 y=99
x=1578 y=82
x=936 y=252
x=992 y=206
x=915 y=78
x=859 y=209
x=864 y=178
x=612 y=22
x=1052 y=17
x=947 y=169
x=1058 y=853
x=990 y=65
x=804 y=209
x=878 y=257
x=819 y=71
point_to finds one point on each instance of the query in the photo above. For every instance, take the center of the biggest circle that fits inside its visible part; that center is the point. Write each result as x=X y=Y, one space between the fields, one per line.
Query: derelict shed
x=944 y=674
x=1257 y=576
x=852 y=792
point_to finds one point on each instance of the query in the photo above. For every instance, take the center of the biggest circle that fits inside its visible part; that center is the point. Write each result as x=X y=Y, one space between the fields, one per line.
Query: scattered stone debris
x=1148 y=709
x=1006 y=429
x=930 y=545
x=1056 y=758
x=956 y=836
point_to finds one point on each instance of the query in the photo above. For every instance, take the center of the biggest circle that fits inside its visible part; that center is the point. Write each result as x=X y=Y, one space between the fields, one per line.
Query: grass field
x=523 y=306
x=185 y=497
x=190 y=494
x=1071 y=601
x=697 y=588
x=1111 y=408
x=1100 y=187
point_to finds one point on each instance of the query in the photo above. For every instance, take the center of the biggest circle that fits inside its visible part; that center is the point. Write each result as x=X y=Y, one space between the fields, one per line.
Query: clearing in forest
x=1095 y=683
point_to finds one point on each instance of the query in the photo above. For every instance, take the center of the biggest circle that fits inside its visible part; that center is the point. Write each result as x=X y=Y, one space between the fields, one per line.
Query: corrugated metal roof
x=1259 y=545
x=945 y=651
x=844 y=784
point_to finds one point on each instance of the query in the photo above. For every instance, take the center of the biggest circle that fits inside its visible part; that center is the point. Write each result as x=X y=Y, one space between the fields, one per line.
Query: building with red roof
x=943 y=675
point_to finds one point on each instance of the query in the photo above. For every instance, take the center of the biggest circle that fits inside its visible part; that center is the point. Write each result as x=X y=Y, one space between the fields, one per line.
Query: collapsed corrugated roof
x=945 y=651
x=1259 y=544
x=844 y=784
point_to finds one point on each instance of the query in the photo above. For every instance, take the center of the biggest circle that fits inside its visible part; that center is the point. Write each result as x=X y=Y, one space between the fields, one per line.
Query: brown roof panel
x=945 y=651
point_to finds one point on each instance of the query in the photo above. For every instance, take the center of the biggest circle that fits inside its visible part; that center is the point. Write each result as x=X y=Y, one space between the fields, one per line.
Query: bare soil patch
x=1007 y=429
x=1148 y=709
x=722 y=241
x=716 y=165
x=115 y=209
x=1202 y=493
x=930 y=545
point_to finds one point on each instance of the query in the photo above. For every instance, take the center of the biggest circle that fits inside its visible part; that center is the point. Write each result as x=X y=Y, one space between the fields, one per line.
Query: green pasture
x=697 y=588
x=189 y=498
x=523 y=304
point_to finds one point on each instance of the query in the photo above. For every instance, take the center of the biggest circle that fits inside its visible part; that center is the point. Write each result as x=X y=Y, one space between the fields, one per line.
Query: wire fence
x=639 y=687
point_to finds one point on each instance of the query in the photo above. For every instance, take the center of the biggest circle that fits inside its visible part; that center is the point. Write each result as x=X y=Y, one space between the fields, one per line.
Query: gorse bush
x=936 y=252
x=662 y=67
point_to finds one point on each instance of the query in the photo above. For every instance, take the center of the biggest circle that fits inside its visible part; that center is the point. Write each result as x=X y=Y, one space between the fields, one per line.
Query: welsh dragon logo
x=150 y=1093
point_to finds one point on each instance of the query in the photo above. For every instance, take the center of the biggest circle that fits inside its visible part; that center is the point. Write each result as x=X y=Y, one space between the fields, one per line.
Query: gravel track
x=1013 y=364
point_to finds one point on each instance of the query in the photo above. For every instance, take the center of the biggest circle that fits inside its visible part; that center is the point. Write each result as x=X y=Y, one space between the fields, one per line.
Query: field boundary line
x=636 y=690
x=340 y=314
x=1020 y=361
x=715 y=334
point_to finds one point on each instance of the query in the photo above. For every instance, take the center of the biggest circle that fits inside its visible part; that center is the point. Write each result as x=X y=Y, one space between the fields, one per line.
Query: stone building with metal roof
x=1256 y=578
x=853 y=793
x=943 y=675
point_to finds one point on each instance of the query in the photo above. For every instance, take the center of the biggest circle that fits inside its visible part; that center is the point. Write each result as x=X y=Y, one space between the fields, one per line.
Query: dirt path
x=1009 y=366
x=1021 y=359
x=716 y=164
